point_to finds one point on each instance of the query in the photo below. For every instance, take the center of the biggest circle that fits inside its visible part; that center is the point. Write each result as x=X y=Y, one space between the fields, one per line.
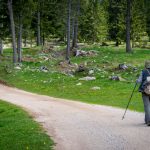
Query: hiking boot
x=148 y=124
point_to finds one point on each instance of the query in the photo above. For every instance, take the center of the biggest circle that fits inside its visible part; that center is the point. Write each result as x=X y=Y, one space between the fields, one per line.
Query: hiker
x=143 y=79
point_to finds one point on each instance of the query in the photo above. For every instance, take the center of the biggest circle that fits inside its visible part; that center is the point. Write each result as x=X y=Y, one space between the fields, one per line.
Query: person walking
x=143 y=79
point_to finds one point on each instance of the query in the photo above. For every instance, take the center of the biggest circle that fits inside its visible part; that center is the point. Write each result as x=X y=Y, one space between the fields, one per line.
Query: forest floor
x=75 y=125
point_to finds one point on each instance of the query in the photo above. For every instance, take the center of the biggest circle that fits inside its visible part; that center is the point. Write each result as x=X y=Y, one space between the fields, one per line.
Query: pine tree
x=13 y=32
x=117 y=20
x=3 y=24
x=75 y=24
x=68 y=32
x=128 y=27
x=147 y=14
x=22 y=10
x=138 y=23
x=93 y=24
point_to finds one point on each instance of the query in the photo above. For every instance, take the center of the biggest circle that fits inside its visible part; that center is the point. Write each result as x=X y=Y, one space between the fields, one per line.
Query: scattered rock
x=18 y=68
x=95 y=88
x=87 y=78
x=122 y=67
x=117 y=78
x=81 y=68
x=85 y=53
x=91 y=72
x=79 y=84
x=80 y=53
x=44 y=68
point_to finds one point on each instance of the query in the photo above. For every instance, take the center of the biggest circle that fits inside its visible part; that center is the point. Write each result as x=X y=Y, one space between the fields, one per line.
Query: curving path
x=78 y=126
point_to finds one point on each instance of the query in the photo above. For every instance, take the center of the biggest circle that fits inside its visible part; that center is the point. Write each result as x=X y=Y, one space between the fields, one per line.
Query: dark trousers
x=146 y=101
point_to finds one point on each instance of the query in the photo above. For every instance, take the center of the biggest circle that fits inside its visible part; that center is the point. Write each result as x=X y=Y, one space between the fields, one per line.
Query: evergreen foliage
x=90 y=21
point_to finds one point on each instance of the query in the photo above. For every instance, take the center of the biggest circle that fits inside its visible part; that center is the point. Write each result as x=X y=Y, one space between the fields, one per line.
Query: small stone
x=95 y=88
x=87 y=78
x=116 y=78
x=18 y=68
x=79 y=84
x=123 y=66
x=85 y=53
x=44 y=69
x=91 y=72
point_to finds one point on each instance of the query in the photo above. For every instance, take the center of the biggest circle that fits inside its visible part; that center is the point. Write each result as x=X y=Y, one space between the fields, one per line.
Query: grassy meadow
x=57 y=84
x=18 y=130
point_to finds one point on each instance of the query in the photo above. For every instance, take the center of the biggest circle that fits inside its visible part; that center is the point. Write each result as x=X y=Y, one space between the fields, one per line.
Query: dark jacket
x=145 y=74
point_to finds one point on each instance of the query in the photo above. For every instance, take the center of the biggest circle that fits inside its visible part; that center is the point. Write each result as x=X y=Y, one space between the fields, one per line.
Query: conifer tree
x=13 y=31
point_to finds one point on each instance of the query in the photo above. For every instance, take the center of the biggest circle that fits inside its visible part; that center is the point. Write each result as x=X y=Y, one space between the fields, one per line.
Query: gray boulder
x=123 y=66
x=87 y=78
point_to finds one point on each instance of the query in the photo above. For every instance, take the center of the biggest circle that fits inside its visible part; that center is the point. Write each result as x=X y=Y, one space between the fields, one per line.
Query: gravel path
x=78 y=126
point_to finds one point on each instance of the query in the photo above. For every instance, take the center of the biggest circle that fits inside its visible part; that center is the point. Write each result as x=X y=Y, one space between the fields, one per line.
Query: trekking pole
x=129 y=101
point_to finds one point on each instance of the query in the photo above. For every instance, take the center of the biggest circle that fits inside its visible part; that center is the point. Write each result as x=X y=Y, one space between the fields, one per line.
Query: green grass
x=56 y=84
x=19 y=132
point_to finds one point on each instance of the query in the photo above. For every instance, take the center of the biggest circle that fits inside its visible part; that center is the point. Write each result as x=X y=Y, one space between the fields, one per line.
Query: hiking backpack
x=146 y=84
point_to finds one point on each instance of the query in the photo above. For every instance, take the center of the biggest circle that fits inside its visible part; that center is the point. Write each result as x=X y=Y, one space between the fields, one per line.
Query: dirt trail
x=78 y=126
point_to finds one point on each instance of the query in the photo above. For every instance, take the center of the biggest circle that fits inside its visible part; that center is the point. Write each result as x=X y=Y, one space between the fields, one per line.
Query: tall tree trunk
x=68 y=32
x=43 y=40
x=19 y=43
x=73 y=27
x=75 y=37
x=74 y=40
x=25 y=41
x=1 y=47
x=38 y=28
x=128 y=27
x=12 y=24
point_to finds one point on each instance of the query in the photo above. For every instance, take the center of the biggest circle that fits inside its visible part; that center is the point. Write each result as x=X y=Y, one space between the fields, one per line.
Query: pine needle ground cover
x=57 y=84
x=18 y=130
